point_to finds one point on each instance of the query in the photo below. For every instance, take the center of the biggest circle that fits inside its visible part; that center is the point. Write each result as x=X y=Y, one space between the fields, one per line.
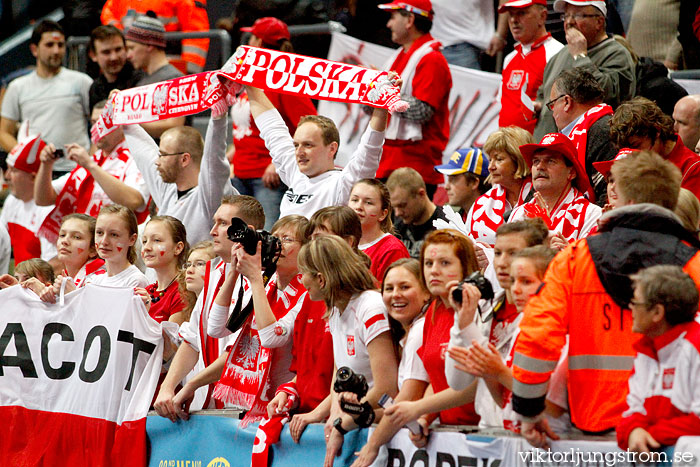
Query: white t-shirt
x=411 y=365
x=364 y=319
x=57 y=108
x=129 y=277
x=459 y=21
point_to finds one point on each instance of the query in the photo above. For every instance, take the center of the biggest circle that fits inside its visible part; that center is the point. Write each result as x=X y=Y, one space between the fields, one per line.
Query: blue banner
x=218 y=441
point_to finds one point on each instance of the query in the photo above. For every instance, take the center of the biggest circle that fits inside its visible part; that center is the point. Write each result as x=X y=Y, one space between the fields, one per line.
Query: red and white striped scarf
x=270 y=429
x=579 y=133
x=486 y=215
x=94 y=266
x=261 y=68
x=567 y=217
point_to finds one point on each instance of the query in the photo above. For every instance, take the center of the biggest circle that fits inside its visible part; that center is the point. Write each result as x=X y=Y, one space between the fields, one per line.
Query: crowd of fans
x=558 y=294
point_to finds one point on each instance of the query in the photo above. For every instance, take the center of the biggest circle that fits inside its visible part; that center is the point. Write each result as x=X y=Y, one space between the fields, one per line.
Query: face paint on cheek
x=161 y=248
x=120 y=247
x=80 y=250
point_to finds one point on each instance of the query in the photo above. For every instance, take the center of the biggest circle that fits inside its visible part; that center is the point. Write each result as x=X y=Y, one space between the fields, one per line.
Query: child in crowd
x=359 y=325
x=341 y=221
x=35 y=268
x=663 y=403
x=447 y=256
x=190 y=284
x=491 y=360
x=406 y=298
x=164 y=250
x=370 y=199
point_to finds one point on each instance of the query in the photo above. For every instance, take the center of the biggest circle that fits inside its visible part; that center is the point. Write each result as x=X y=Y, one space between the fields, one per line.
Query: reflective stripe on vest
x=600 y=362
x=529 y=391
x=534 y=365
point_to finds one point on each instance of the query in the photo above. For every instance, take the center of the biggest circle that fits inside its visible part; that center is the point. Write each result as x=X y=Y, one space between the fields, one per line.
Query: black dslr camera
x=270 y=247
x=347 y=380
x=479 y=281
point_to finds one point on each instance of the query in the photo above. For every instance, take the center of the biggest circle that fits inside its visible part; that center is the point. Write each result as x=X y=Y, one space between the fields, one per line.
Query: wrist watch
x=338 y=425
x=581 y=55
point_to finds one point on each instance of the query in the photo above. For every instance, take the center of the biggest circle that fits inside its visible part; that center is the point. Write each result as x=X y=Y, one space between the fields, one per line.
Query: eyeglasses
x=550 y=104
x=198 y=264
x=577 y=16
x=636 y=304
x=160 y=154
x=288 y=240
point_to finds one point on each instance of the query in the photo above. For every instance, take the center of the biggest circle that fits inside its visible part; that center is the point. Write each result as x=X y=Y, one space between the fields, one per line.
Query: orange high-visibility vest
x=573 y=301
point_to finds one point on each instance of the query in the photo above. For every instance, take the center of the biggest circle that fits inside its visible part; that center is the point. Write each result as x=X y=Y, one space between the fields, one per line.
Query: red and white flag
x=77 y=378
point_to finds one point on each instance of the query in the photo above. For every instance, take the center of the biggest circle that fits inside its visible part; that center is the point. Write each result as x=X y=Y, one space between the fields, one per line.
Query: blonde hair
x=344 y=272
x=407 y=178
x=132 y=225
x=190 y=298
x=508 y=140
x=688 y=209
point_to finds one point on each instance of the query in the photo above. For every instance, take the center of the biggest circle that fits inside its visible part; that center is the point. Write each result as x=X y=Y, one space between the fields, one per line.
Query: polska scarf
x=261 y=68
x=567 y=218
x=579 y=133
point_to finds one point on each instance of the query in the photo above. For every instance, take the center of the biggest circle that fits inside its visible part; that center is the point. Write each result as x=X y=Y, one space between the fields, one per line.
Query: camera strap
x=240 y=314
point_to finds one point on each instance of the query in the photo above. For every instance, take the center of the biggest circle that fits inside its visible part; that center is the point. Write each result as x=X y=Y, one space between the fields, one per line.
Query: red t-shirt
x=383 y=253
x=312 y=356
x=252 y=157
x=431 y=83
x=167 y=305
x=436 y=337
x=689 y=164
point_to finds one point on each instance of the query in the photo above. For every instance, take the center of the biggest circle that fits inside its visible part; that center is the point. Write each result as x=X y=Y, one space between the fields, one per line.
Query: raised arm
x=214 y=169
x=144 y=151
x=44 y=194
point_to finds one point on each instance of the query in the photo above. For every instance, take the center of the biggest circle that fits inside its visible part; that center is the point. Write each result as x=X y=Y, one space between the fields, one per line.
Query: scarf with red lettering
x=261 y=68
x=486 y=215
x=269 y=430
x=209 y=346
x=76 y=195
x=579 y=133
x=567 y=217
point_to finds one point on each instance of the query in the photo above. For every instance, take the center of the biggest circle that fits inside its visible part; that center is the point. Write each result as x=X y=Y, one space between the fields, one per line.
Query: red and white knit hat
x=25 y=156
x=146 y=30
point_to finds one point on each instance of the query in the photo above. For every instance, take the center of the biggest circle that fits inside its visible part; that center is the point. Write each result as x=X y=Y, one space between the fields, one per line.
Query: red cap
x=520 y=4
x=604 y=166
x=418 y=7
x=25 y=156
x=270 y=30
x=559 y=143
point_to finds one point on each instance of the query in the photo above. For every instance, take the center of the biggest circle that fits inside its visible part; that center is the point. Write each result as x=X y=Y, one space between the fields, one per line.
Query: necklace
x=157 y=295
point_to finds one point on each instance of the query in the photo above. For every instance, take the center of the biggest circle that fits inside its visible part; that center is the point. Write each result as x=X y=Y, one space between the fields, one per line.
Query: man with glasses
x=523 y=68
x=590 y=47
x=576 y=103
x=186 y=176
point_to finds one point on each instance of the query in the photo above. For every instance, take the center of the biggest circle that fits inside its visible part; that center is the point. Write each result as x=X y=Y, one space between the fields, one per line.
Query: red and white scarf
x=262 y=68
x=486 y=215
x=77 y=193
x=245 y=381
x=579 y=133
x=567 y=217
x=269 y=430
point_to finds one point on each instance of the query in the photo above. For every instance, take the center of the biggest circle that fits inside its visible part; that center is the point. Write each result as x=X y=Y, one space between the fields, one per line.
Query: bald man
x=686 y=117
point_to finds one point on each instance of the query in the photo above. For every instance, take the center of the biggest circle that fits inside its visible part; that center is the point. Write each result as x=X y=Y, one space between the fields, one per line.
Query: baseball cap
x=270 y=30
x=419 y=7
x=604 y=166
x=559 y=143
x=599 y=4
x=146 y=30
x=520 y=4
x=25 y=156
x=465 y=160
